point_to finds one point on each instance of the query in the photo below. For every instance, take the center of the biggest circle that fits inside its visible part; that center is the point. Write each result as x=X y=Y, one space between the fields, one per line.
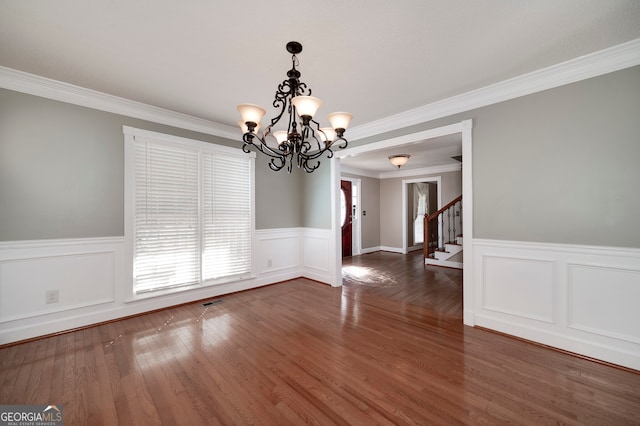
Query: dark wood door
x=347 y=216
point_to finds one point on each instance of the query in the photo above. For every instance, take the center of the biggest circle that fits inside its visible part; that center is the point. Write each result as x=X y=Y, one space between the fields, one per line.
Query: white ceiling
x=431 y=154
x=373 y=58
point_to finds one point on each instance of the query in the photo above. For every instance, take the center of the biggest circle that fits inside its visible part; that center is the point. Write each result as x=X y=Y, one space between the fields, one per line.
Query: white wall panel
x=605 y=301
x=316 y=262
x=279 y=250
x=522 y=287
x=316 y=253
x=80 y=280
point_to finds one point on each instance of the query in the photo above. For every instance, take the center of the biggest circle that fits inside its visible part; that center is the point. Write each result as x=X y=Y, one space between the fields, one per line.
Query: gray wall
x=559 y=166
x=316 y=196
x=278 y=196
x=62 y=172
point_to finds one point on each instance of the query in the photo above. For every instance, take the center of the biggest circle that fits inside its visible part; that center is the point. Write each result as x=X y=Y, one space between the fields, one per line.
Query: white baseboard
x=371 y=250
x=582 y=299
x=392 y=249
x=444 y=263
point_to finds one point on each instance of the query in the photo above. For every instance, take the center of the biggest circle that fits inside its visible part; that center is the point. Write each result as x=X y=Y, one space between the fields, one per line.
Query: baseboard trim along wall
x=368 y=250
x=85 y=280
x=581 y=299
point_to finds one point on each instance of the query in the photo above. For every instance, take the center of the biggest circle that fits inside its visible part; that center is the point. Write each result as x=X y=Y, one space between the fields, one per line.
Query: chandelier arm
x=317 y=154
x=344 y=145
x=307 y=168
x=275 y=167
x=290 y=165
x=319 y=143
x=262 y=147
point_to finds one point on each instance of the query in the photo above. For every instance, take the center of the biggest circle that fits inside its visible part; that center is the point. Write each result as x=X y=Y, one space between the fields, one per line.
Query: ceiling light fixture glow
x=399 y=160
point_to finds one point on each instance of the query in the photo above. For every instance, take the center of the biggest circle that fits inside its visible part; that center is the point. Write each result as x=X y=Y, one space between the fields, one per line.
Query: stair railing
x=443 y=226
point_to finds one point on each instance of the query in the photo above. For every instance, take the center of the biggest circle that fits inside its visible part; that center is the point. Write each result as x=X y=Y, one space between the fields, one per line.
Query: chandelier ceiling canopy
x=292 y=135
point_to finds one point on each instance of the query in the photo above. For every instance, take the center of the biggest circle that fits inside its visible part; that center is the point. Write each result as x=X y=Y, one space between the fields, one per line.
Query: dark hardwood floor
x=388 y=347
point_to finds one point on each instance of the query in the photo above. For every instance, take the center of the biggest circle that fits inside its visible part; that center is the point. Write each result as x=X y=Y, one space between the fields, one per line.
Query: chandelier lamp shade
x=399 y=160
x=293 y=135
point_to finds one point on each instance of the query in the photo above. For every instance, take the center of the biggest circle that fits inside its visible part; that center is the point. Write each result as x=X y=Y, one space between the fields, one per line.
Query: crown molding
x=403 y=172
x=59 y=91
x=592 y=65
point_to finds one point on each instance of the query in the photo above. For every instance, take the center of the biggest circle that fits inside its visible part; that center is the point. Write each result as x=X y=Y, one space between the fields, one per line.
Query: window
x=192 y=212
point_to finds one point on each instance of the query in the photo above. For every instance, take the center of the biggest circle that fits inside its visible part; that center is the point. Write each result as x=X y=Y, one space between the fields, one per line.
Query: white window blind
x=193 y=216
x=227 y=216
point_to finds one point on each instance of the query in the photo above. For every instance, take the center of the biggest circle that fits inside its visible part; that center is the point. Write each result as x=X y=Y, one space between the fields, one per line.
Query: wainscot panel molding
x=582 y=299
x=316 y=245
x=81 y=273
x=84 y=272
x=89 y=274
x=279 y=251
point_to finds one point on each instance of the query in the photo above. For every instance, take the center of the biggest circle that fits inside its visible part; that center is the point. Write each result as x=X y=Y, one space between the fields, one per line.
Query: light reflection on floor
x=349 y=309
x=178 y=337
x=362 y=275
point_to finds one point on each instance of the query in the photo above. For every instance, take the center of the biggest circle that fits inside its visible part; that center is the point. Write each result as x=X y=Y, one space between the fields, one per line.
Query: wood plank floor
x=388 y=347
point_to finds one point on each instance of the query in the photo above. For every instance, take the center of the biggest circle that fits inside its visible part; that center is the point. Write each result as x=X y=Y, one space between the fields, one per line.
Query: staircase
x=443 y=236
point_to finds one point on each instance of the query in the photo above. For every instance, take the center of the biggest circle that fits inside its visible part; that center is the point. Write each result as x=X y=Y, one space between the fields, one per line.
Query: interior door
x=346 y=212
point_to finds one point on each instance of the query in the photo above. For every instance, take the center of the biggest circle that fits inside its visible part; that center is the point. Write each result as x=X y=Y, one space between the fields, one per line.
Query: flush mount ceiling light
x=399 y=160
x=303 y=141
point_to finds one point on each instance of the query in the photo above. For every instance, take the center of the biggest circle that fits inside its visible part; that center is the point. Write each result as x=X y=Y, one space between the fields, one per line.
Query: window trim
x=130 y=134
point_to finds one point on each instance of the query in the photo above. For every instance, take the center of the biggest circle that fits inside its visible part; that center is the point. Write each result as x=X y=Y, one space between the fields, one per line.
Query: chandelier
x=303 y=141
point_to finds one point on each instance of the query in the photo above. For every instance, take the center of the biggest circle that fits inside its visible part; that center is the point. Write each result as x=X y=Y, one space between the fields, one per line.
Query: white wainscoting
x=295 y=252
x=279 y=252
x=93 y=286
x=316 y=249
x=86 y=273
x=82 y=273
x=581 y=299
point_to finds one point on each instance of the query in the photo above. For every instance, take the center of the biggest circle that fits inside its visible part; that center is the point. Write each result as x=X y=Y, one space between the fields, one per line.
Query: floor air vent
x=213 y=302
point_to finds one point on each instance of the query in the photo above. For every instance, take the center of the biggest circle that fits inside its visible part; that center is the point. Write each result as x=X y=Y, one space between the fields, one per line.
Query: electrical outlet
x=51 y=296
x=269 y=263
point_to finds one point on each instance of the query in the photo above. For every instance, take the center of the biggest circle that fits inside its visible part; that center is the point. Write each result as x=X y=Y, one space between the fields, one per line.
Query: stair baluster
x=434 y=226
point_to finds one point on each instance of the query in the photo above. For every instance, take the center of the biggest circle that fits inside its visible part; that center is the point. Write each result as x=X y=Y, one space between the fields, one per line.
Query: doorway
x=419 y=197
x=464 y=128
x=355 y=240
x=346 y=216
